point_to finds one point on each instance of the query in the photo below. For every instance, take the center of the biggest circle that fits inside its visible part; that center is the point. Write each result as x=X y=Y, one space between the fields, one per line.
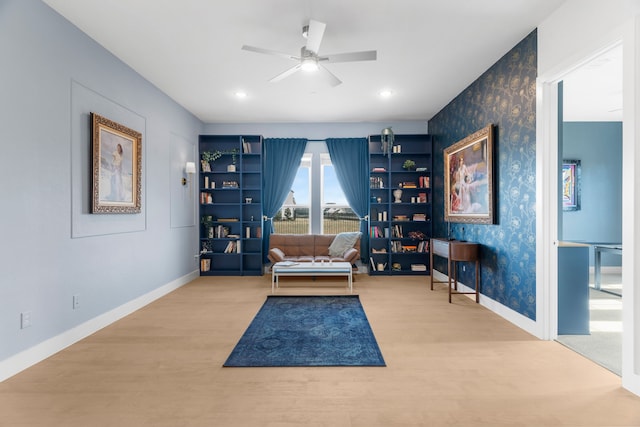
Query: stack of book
x=229 y=184
x=205 y=264
x=418 y=267
x=419 y=217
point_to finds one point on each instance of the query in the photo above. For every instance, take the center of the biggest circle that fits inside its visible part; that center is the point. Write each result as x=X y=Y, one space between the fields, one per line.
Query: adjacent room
x=306 y=212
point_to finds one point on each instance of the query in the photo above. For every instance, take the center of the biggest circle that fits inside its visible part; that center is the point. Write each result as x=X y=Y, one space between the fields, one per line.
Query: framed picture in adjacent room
x=571 y=185
x=116 y=167
x=468 y=179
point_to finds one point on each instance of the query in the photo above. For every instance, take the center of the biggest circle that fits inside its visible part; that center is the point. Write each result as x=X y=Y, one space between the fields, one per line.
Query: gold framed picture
x=116 y=167
x=468 y=180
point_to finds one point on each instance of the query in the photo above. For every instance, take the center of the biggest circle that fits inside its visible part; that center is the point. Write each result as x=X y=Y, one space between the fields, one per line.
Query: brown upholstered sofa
x=307 y=248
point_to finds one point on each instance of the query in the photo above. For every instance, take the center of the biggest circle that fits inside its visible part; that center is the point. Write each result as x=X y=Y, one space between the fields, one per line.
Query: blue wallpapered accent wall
x=505 y=95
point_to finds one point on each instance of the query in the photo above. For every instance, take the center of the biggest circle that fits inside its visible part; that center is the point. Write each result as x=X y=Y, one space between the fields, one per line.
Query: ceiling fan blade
x=367 y=55
x=314 y=38
x=285 y=74
x=270 y=52
x=329 y=76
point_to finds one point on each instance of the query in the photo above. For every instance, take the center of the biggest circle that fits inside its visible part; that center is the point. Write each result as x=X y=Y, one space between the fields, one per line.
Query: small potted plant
x=409 y=165
x=208 y=157
x=232 y=166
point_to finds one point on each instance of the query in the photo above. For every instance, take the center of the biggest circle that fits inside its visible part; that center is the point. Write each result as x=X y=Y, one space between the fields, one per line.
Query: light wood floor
x=447 y=365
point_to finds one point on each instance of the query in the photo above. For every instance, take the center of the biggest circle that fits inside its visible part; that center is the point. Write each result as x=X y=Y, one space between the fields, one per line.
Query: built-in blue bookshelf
x=230 y=205
x=400 y=207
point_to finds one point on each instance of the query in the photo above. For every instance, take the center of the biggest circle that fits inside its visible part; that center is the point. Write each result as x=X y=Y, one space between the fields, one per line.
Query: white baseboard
x=27 y=358
x=501 y=310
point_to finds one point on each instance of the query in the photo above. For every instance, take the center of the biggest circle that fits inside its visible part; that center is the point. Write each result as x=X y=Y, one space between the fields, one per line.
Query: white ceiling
x=428 y=52
x=593 y=92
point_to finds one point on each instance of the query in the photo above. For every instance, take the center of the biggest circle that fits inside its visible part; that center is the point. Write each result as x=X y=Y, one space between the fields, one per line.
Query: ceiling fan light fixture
x=309 y=64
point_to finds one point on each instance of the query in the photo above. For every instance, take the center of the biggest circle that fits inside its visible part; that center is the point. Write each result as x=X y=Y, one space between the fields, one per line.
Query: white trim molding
x=27 y=358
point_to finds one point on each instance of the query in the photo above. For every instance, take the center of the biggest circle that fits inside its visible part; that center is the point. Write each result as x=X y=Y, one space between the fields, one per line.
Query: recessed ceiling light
x=241 y=94
x=386 y=93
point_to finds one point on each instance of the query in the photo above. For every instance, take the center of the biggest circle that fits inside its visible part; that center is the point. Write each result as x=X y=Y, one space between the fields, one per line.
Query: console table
x=455 y=251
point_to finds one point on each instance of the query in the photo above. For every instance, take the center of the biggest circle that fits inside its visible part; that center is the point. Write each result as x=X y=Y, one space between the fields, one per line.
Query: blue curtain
x=350 y=158
x=281 y=161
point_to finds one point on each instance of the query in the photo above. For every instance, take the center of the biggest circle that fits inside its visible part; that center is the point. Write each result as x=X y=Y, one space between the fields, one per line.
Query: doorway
x=590 y=135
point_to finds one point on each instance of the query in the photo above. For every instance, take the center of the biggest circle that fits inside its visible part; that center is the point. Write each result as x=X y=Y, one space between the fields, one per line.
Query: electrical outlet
x=464 y=268
x=76 y=302
x=25 y=319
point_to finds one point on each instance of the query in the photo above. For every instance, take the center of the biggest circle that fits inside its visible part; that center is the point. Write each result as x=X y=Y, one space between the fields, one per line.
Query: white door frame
x=548 y=196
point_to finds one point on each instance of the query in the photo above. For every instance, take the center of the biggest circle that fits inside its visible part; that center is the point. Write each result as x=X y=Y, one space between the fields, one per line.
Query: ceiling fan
x=310 y=60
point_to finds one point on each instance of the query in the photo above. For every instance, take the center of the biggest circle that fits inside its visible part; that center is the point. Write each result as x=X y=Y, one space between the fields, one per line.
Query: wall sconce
x=190 y=169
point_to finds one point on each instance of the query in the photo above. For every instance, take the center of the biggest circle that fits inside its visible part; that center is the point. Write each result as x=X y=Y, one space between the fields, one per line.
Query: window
x=293 y=217
x=316 y=203
x=337 y=216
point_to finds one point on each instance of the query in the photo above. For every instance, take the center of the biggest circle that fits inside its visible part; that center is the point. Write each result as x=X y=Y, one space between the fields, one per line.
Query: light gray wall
x=51 y=248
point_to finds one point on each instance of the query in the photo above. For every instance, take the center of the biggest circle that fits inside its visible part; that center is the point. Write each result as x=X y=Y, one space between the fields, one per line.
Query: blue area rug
x=308 y=331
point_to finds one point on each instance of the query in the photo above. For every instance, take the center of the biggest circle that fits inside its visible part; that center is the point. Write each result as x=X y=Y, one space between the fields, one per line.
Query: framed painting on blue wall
x=116 y=167
x=468 y=180
x=571 y=185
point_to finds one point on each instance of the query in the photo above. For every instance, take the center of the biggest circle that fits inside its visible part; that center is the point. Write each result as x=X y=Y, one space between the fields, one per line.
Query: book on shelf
x=422 y=198
x=376 y=182
x=423 y=182
x=419 y=217
x=400 y=218
x=232 y=247
x=418 y=267
x=379 y=169
x=205 y=264
x=220 y=232
x=206 y=198
x=376 y=232
x=246 y=147
x=409 y=185
x=423 y=246
x=228 y=220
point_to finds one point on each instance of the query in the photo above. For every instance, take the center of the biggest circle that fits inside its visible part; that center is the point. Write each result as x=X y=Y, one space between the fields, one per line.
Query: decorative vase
x=398 y=195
